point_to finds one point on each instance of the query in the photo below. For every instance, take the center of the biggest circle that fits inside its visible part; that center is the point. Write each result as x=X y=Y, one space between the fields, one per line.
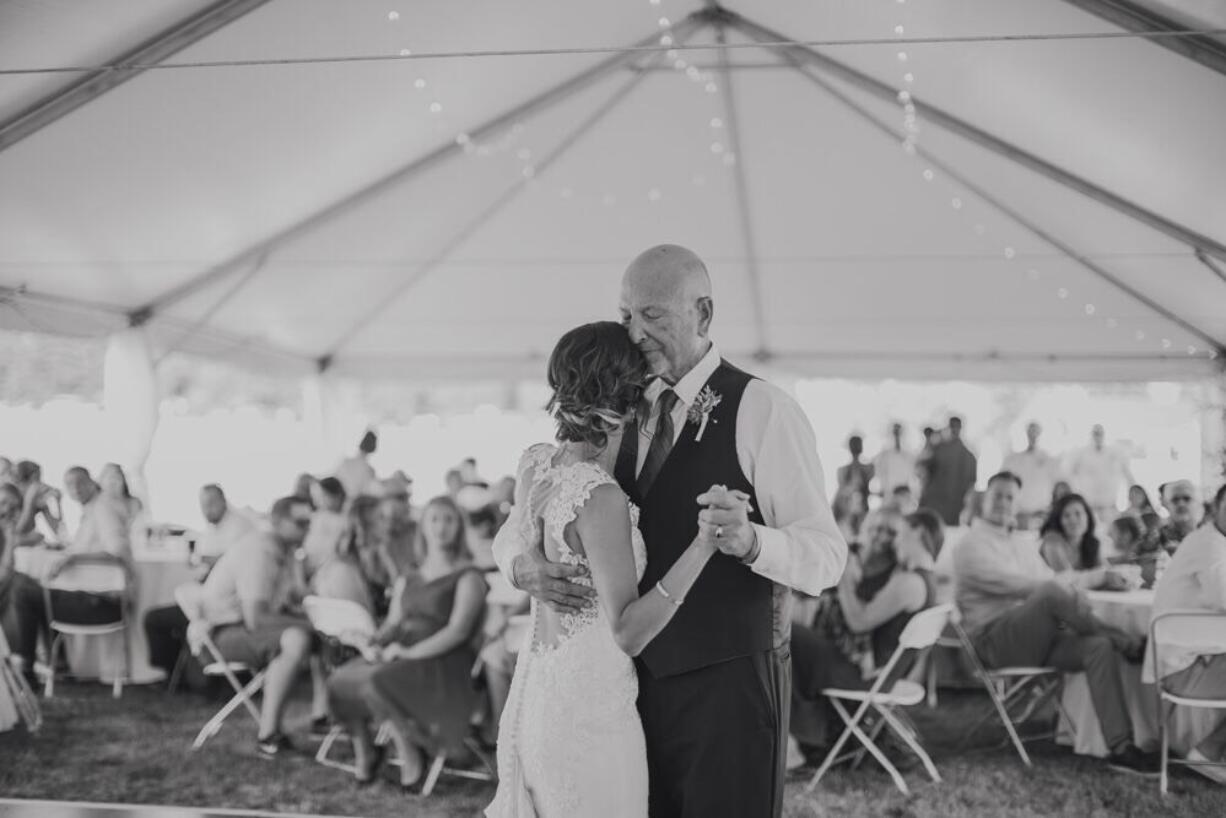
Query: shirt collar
x=691 y=383
x=991 y=528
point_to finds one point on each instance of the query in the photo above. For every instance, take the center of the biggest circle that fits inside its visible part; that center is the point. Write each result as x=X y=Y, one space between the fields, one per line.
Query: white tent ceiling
x=209 y=194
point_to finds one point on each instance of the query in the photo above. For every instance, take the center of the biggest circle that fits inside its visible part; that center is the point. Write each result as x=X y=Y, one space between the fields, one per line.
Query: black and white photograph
x=613 y=408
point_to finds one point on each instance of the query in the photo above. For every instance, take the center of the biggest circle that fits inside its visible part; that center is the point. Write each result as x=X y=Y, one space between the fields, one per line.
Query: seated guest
x=1069 y=543
x=415 y=674
x=38 y=500
x=1181 y=504
x=114 y=485
x=1018 y=611
x=902 y=500
x=22 y=612
x=396 y=533
x=245 y=601
x=332 y=566
x=1133 y=548
x=1195 y=580
x=304 y=489
x=858 y=625
x=1138 y=502
x=355 y=473
x=482 y=526
x=166 y=626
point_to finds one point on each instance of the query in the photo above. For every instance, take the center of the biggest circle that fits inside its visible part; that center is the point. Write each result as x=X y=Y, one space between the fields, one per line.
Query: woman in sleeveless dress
x=570 y=739
x=415 y=674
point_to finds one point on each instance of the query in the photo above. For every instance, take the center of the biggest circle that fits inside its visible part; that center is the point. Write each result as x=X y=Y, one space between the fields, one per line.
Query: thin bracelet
x=667 y=595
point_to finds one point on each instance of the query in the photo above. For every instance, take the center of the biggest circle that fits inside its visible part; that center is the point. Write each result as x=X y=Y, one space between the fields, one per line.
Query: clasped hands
x=723 y=525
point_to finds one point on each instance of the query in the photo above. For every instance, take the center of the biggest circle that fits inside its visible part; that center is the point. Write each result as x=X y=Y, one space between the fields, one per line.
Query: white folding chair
x=1007 y=687
x=24 y=699
x=920 y=633
x=201 y=644
x=1186 y=630
x=340 y=619
x=95 y=574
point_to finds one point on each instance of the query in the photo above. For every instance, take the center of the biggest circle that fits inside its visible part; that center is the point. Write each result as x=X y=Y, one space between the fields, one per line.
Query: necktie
x=661 y=442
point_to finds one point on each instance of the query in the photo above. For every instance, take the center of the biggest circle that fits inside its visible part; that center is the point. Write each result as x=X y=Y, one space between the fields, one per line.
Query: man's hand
x=550 y=581
x=725 y=521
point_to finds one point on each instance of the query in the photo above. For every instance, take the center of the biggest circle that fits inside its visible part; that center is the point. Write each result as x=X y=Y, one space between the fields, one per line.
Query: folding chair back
x=335 y=617
x=925 y=628
x=1200 y=632
x=93 y=574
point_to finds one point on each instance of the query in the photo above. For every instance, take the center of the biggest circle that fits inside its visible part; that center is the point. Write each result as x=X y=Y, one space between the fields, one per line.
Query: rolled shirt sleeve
x=801 y=546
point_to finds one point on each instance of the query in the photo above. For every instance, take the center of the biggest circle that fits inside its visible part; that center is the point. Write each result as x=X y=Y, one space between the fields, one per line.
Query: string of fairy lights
x=511 y=142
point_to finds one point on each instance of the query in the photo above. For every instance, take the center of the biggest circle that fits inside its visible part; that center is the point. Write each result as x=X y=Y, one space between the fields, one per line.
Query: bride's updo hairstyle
x=597 y=375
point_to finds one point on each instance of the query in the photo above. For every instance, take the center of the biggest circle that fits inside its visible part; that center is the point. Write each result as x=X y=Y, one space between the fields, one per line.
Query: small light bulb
x=419 y=83
x=653 y=195
x=667 y=39
x=908 y=146
x=1010 y=253
x=1191 y=349
x=1140 y=336
x=904 y=97
x=393 y=16
x=1090 y=309
x=717 y=147
x=404 y=52
x=529 y=171
x=665 y=22
x=956 y=203
x=899 y=30
x=435 y=107
x=929 y=175
x=1166 y=343
x=902 y=56
x=1062 y=293
x=462 y=139
x=711 y=88
x=716 y=122
x=908 y=78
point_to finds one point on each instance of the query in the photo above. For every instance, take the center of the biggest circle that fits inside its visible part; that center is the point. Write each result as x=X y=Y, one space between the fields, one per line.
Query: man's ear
x=706 y=312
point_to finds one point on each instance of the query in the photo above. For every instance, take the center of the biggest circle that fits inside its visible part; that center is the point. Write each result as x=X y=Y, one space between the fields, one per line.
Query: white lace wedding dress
x=570 y=741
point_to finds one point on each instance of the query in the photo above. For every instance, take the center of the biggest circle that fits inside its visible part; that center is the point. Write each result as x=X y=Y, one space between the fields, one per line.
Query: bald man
x=717 y=449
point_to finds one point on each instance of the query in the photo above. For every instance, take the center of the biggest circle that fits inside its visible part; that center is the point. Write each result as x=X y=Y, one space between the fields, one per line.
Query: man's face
x=999 y=502
x=1180 y=501
x=1097 y=435
x=1032 y=433
x=79 y=486
x=292 y=528
x=212 y=506
x=669 y=328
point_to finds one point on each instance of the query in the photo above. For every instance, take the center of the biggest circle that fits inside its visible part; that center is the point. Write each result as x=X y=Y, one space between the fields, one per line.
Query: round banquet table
x=1129 y=611
x=159 y=570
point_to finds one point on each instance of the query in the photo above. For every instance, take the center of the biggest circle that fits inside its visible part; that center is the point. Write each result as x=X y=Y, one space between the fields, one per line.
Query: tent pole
x=980 y=137
x=1213 y=267
x=684 y=30
x=439 y=154
x=744 y=214
x=1015 y=216
x=216 y=307
x=1132 y=17
x=94 y=84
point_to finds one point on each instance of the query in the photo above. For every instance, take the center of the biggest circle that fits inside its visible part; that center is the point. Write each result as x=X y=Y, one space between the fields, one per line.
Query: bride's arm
x=603 y=525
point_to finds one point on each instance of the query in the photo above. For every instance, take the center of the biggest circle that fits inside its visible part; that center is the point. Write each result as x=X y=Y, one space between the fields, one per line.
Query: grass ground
x=137 y=750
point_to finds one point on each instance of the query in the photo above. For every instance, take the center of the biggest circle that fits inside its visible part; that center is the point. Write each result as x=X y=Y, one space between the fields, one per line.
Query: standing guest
x=22 y=613
x=304 y=489
x=454 y=480
x=1179 y=498
x=166 y=626
x=415 y=674
x=1018 y=611
x=1038 y=472
x=855 y=475
x=364 y=543
x=894 y=466
x=952 y=470
x=1099 y=473
x=469 y=474
x=355 y=473
x=247 y=600
x=1195 y=580
x=38 y=500
x=8 y=473
x=331 y=564
x=902 y=500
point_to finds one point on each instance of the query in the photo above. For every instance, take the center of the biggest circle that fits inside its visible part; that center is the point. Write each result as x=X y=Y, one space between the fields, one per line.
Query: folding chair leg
x=325 y=748
x=242 y=697
x=436 y=769
x=49 y=682
x=891 y=718
x=1163 y=715
x=853 y=727
x=833 y=755
x=1003 y=712
x=176 y=674
x=930 y=677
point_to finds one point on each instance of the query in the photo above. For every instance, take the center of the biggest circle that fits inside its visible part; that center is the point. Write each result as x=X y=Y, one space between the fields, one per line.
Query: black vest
x=728 y=613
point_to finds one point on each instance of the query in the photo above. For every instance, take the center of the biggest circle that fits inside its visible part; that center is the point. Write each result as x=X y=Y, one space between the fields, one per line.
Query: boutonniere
x=701 y=409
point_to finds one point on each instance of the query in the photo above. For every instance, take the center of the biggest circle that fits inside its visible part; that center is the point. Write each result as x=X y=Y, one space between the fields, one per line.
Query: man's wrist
x=755 y=547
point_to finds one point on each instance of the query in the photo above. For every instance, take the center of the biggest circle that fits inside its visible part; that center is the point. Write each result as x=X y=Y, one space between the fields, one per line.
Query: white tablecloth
x=158 y=573
x=1129 y=611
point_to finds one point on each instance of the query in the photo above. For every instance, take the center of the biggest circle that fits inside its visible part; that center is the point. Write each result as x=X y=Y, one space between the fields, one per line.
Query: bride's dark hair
x=597 y=375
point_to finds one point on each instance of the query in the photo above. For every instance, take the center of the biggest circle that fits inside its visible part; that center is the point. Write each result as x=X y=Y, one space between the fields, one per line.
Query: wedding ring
x=719 y=532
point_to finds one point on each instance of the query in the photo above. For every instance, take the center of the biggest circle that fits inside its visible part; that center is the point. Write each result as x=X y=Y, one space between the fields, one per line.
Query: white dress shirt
x=801 y=546
x=894 y=467
x=218 y=537
x=1039 y=472
x=1195 y=580
x=1098 y=475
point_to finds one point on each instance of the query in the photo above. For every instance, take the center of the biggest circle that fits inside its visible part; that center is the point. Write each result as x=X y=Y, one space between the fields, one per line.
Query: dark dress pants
x=166 y=633
x=717 y=738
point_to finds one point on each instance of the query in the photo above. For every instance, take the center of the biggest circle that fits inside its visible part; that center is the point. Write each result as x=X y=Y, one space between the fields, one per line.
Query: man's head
x=213 y=503
x=1179 y=498
x=454 y=481
x=1033 y=430
x=955 y=427
x=329 y=494
x=896 y=431
x=666 y=307
x=1000 y=499
x=1219 y=509
x=468 y=470
x=290 y=518
x=369 y=443
x=79 y=485
x=1097 y=435
x=903 y=499
x=855 y=445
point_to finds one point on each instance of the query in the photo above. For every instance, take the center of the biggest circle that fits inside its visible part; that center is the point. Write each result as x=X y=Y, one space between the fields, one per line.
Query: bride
x=571 y=742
